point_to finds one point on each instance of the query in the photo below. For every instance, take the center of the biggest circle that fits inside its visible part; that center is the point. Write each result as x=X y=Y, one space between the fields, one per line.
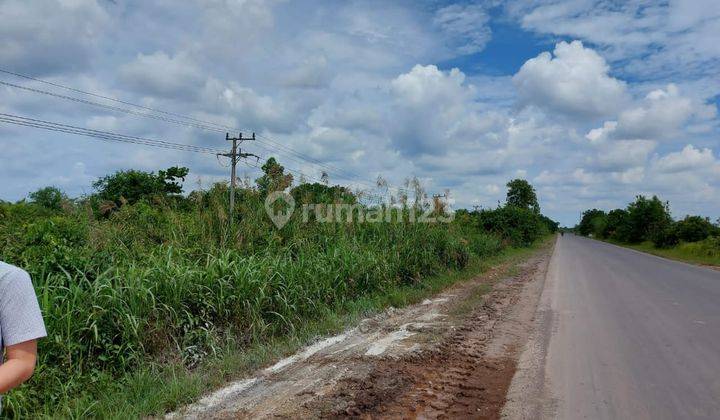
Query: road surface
x=631 y=336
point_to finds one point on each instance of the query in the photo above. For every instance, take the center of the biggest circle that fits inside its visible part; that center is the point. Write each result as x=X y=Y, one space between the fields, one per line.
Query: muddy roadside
x=451 y=356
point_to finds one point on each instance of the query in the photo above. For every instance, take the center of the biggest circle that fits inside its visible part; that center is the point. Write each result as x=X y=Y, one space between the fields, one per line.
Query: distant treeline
x=646 y=220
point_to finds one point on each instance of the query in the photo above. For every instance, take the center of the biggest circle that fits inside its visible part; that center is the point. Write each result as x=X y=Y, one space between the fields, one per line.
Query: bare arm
x=19 y=365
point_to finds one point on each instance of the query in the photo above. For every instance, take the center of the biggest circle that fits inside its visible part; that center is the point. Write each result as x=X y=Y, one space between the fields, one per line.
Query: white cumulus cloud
x=688 y=159
x=574 y=80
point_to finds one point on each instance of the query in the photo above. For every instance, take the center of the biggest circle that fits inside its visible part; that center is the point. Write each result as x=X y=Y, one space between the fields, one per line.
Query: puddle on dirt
x=380 y=346
x=305 y=354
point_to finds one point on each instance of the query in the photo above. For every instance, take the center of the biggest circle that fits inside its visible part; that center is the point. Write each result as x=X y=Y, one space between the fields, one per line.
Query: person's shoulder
x=10 y=274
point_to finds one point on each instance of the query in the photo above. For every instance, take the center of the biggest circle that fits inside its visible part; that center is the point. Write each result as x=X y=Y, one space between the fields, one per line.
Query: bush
x=709 y=247
x=317 y=193
x=51 y=245
x=485 y=245
x=591 y=222
x=616 y=225
x=694 y=228
x=666 y=238
x=50 y=198
x=129 y=187
x=518 y=226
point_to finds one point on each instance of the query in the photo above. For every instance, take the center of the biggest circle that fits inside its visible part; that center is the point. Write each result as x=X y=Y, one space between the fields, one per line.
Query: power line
x=121 y=138
x=109 y=107
x=193 y=122
x=132 y=112
x=190 y=122
x=102 y=135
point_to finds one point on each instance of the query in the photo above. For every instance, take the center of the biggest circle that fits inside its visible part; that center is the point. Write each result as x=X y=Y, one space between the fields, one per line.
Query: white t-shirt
x=20 y=317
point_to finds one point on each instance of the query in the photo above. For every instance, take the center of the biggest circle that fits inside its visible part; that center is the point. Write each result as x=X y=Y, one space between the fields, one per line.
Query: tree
x=132 y=186
x=274 y=179
x=521 y=194
x=667 y=237
x=694 y=228
x=591 y=221
x=647 y=218
x=169 y=179
x=49 y=197
x=520 y=226
x=616 y=226
x=551 y=225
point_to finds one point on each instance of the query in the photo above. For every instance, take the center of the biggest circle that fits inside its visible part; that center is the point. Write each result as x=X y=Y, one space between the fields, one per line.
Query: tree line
x=646 y=219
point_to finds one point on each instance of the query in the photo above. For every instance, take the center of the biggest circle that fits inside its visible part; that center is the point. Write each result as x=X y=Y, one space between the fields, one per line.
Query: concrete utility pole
x=235 y=155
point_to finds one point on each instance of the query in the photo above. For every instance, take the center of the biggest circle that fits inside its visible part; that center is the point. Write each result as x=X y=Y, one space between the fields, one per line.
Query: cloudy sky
x=591 y=101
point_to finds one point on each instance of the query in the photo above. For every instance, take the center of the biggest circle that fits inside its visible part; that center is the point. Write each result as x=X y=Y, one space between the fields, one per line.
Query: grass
x=156 y=302
x=158 y=388
x=693 y=252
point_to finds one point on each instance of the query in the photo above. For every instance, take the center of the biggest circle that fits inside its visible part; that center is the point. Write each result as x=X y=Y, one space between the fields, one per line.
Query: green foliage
x=667 y=237
x=616 y=225
x=694 y=228
x=706 y=252
x=551 y=225
x=519 y=226
x=129 y=187
x=172 y=280
x=50 y=245
x=169 y=179
x=50 y=198
x=274 y=179
x=591 y=222
x=321 y=193
x=518 y=223
x=647 y=219
x=179 y=285
x=485 y=245
x=521 y=194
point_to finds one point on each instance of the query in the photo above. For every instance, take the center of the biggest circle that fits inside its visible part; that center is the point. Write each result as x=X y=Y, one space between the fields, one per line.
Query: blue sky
x=592 y=101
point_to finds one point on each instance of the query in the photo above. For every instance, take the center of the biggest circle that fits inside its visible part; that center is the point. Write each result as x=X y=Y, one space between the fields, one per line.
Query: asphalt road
x=632 y=336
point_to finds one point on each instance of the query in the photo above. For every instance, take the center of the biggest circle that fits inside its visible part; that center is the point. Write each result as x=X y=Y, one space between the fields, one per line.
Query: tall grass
x=173 y=281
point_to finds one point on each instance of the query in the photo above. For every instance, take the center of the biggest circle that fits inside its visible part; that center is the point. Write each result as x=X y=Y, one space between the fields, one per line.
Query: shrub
x=616 y=225
x=132 y=186
x=517 y=225
x=321 y=193
x=50 y=198
x=485 y=245
x=694 y=228
x=591 y=220
x=52 y=245
x=667 y=237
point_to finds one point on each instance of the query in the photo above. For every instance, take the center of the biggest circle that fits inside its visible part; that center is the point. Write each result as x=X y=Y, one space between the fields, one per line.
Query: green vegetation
x=646 y=225
x=522 y=195
x=150 y=297
x=518 y=223
x=705 y=252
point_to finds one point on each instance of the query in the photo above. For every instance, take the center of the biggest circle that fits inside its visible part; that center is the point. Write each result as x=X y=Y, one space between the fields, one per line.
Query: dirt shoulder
x=454 y=355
